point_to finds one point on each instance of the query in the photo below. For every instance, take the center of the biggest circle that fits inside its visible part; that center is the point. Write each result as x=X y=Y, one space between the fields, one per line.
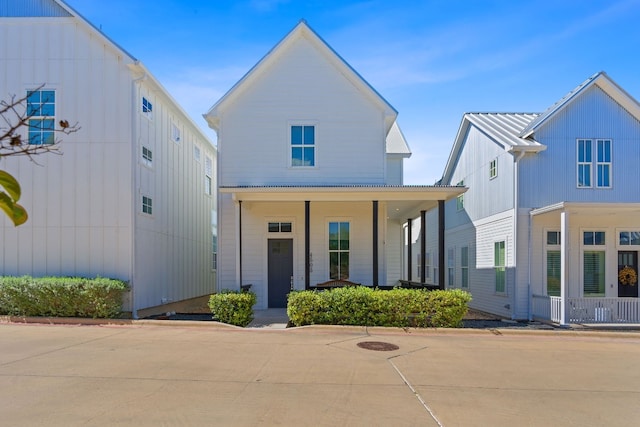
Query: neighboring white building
x=552 y=214
x=133 y=195
x=310 y=175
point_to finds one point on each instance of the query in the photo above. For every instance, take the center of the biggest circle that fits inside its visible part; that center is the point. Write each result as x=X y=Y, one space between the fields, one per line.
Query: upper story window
x=175 y=133
x=196 y=153
x=147 y=156
x=41 y=110
x=303 y=145
x=208 y=173
x=602 y=161
x=460 y=198
x=493 y=168
x=147 y=108
x=147 y=205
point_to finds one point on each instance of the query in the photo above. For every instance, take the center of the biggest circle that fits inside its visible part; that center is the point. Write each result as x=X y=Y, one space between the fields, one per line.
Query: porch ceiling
x=404 y=201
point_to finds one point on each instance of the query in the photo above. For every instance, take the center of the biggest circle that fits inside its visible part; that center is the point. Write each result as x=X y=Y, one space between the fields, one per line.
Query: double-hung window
x=303 y=145
x=147 y=108
x=601 y=163
x=464 y=266
x=208 y=173
x=493 y=168
x=499 y=266
x=339 y=250
x=147 y=205
x=41 y=111
x=147 y=156
x=451 y=267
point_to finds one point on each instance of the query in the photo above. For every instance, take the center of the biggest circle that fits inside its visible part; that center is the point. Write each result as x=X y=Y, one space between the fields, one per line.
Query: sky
x=433 y=60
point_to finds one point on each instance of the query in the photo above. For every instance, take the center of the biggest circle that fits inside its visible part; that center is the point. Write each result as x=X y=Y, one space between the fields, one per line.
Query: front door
x=627 y=283
x=280 y=260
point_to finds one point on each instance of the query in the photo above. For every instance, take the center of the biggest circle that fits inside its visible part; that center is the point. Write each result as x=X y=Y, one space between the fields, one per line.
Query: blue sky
x=433 y=60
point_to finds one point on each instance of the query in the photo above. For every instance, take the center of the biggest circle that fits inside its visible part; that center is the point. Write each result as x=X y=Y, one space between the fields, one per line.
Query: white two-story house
x=132 y=196
x=550 y=225
x=310 y=175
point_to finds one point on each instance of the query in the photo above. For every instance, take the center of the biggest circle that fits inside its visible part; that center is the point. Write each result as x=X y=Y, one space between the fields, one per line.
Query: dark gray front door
x=280 y=261
x=628 y=259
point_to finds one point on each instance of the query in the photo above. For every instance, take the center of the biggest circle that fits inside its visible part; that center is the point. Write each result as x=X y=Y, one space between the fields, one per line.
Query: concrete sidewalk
x=204 y=373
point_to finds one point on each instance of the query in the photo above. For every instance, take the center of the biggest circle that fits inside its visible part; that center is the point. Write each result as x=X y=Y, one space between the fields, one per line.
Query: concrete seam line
x=416 y=394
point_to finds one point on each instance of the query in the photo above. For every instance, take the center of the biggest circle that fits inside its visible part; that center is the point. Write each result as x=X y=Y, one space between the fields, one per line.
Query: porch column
x=441 y=244
x=375 y=243
x=307 y=244
x=564 y=268
x=423 y=244
x=409 y=242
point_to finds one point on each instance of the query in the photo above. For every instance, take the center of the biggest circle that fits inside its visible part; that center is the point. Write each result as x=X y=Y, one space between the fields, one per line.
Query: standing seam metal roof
x=505 y=128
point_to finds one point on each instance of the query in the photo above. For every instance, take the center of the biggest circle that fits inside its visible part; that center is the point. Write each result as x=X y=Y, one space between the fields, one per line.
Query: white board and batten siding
x=302 y=87
x=592 y=115
x=79 y=202
x=85 y=205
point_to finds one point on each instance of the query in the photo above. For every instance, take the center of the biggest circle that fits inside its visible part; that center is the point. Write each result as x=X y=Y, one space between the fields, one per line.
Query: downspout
x=135 y=135
x=516 y=204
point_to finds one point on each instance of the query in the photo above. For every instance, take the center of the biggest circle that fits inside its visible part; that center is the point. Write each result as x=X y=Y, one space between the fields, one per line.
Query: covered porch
x=370 y=247
x=584 y=263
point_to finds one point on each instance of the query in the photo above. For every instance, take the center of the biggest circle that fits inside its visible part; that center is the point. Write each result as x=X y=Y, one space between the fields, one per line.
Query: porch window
x=553 y=273
x=595 y=238
x=279 y=227
x=419 y=266
x=464 y=266
x=629 y=238
x=593 y=264
x=339 y=250
x=499 y=266
x=303 y=146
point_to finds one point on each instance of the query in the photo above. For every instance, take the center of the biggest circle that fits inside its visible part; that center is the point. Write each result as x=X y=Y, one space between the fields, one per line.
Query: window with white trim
x=175 y=133
x=500 y=267
x=629 y=238
x=419 y=266
x=339 y=250
x=553 y=260
x=147 y=205
x=208 y=173
x=41 y=111
x=601 y=163
x=427 y=265
x=214 y=240
x=147 y=156
x=460 y=198
x=196 y=153
x=147 y=108
x=279 y=227
x=451 y=266
x=464 y=267
x=493 y=168
x=593 y=264
x=303 y=145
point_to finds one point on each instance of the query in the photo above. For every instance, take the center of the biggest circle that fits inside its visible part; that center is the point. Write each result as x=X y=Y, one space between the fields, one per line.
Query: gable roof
x=396 y=143
x=503 y=128
x=301 y=30
x=54 y=9
x=604 y=82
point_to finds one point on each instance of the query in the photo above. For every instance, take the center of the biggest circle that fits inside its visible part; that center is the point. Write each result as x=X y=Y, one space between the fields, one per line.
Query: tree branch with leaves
x=27 y=128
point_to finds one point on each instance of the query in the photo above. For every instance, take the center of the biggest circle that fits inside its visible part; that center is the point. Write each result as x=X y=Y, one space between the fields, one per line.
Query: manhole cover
x=377 y=346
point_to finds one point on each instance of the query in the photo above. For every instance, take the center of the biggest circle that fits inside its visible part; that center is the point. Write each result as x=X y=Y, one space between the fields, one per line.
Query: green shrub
x=363 y=305
x=235 y=308
x=61 y=296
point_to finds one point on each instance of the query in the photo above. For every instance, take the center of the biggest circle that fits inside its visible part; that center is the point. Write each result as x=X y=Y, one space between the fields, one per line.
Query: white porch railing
x=587 y=310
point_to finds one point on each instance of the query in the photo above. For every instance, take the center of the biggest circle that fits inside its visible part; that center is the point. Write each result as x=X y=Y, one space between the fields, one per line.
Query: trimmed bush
x=235 y=308
x=61 y=296
x=362 y=305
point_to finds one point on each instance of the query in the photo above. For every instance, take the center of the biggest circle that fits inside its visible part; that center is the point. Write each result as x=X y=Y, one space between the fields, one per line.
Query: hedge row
x=61 y=296
x=235 y=308
x=362 y=305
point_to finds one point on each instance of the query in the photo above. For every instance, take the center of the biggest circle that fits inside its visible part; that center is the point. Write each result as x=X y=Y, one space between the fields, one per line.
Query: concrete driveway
x=203 y=374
